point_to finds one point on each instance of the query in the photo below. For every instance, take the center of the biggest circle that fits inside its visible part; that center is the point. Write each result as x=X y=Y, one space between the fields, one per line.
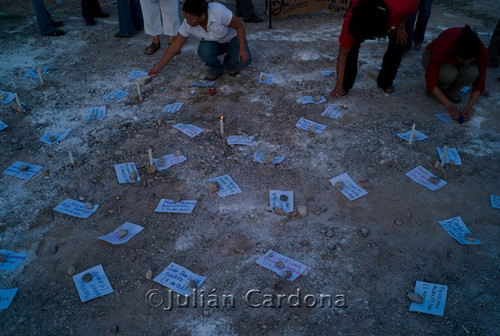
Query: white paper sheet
x=350 y=190
x=123 y=171
x=456 y=228
x=15 y=170
x=98 y=286
x=276 y=202
x=13 y=260
x=270 y=259
x=75 y=208
x=433 y=298
x=114 y=238
x=177 y=279
x=227 y=186
x=58 y=137
x=167 y=205
x=188 y=129
x=264 y=80
x=306 y=125
x=241 y=140
x=422 y=176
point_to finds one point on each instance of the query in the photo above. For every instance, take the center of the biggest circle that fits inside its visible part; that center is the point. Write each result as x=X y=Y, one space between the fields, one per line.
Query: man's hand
x=467 y=113
x=454 y=112
x=243 y=55
x=401 y=35
x=155 y=70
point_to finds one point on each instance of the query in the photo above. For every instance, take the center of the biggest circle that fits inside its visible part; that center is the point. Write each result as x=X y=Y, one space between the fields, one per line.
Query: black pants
x=494 y=47
x=390 y=64
x=90 y=8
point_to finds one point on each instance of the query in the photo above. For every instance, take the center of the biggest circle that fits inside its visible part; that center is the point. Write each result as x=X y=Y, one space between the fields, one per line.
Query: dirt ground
x=223 y=237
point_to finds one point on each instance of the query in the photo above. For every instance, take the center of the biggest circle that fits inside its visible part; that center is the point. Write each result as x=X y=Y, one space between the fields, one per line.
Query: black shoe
x=254 y=18
x=55 y=32
x=102 y=15
x=58 y=24
x=90 y=22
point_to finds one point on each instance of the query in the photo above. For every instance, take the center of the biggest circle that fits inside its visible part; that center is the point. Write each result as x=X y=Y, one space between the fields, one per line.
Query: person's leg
x=466 y=75
x=246 y=9
x=152 y=24
x=424 y=13
x=43 y=18
x=136 y=12
x=88 y=12
x=231 y=60
x=410 y=28
x=390 y=64
x=351 y=67
x=208 y=52
x=96 y=8
x=494 y=47
x=170 y=17
x=448 y=74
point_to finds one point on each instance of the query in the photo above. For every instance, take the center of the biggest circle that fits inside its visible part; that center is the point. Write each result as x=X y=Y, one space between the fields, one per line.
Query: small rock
x=213 y=186
x=114 y=329
x=52 y=138
x=339 y=185
x=177 y=153
x=158 y=122
x=133 y=175
x=470 y=237
x=280 y=264
x=329 y=233
x=192 y=285
x=279 y=211
x=434 y=180
x=364 y=232
x=460 y=330
x=151 y=169
x=122 y=233
x=161 y=162
x=287 y=274
x=317 y=98
x=71 y=270
x=398 y=221
x=89 y=205
x=24 y=168
x=3 y=257
x=149 y=274
x=363 y=179
x=87 y=277
x=283 y=198
x=81 y=198
x=302 y=209
x=268 y=159
x=414 y=297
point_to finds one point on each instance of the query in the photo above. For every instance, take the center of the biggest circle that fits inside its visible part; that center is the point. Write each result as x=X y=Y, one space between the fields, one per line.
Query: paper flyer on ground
x=94 y=285
x=451 y=155
x=115 y=95
x=426 y=178
x=13 y=260
x=169 y=160
x=465 y=89
x=328 y=73
x=495 y=201
x=203 y=84
x=281 y=199
x=33 y=74
x=279 y=263
x=97 y=113
x=456 y=228
x=306 y=125
x=177 y=279
x=241 y=140
x=124 y=173
x=332 y=111
x=6 y=297
x=433 y=298
x=227 y=186
x=122 y=234
x=46 y=138
x=7 y=97
x=22 y=170
x=261 y=157
x=350 y=189
x=137 y=74
x=167 y=205
x=417 y=136
x=265 y=78
x=188 y=129
x=75 y=208
x=311 y=100
x=2 y=125
x=172 y=108
x=444 y=117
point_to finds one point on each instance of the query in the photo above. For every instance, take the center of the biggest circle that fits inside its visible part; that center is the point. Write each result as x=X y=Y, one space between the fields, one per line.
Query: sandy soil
x=223 y=237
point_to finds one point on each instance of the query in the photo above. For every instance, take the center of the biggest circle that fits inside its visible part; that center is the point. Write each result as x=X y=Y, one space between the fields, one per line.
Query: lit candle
x=300 y=82
x=18 y=102
x=150 y=153
x=39 y=72
x=71 y=159
x=192 y=92
x=445 y=152
x=411 y=134
x=345 y=107
x=139 y=89
x=221 y=122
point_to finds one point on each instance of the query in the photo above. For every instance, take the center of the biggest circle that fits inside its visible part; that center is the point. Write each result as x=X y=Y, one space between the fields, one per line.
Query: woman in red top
x=369 y=19
x=454 y=59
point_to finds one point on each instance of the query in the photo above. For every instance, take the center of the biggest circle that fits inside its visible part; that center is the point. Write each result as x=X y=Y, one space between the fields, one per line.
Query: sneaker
x=55 y=32
x=254 y=18
x=418 y=46
x=58 y=24
x=210 y=76
x=102 y=15
x=232 y=73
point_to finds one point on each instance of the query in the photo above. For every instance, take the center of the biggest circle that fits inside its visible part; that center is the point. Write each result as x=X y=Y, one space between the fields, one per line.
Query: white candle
x=139 y=90
x=221 y=126
x=18 y=102
x=445 y=152
x=150 y=153
x=71 y=159
x=411 y=134
x=39 y=72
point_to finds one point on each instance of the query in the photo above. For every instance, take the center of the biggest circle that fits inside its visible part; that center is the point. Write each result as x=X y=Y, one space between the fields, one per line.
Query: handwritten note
x=451 y=155
x=433 y=298
x=350 y=189
x=2 y=125
x=57 y=137
x=188 y=129
x=328 y=73
x=97 y=286
x=114 y=237
x=123 y=172
x=271 y=258
x=311 y=100
x=241 y=140
x=167 y=205
x=137 y=74
x=444 y=117
x=115 y=95
x=13 y=260
x=8 y=97
x=172 y=108
x=265 y=78
x=6 y=297
x=260 y=157
x=169 y=160
x=75 y=208
x=227 y=186
x=33 y=74
x=22 y=170
x=424 y=177
x=306 y=125
x=495 y=201
x=456 y=228
x=332 y=111
x=465 y=89
x=202 y=84
x=417 y=136
x=177 y=279
x=97 y=113
x=281 y=199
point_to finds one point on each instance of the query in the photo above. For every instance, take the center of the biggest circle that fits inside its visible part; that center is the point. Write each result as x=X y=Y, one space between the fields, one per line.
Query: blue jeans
x=129 y=17
x=43 y=18
x=209 y=50
x=417 y=32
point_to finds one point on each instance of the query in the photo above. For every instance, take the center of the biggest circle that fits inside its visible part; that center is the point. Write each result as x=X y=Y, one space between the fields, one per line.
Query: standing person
x=46 y=25
x=90 y=10
x=456 y=58
x=369 y=19
x=160 y=17
x=416 y=33
x=129 y=17
x=244 y=8
x=494 y=47
x=220 y=32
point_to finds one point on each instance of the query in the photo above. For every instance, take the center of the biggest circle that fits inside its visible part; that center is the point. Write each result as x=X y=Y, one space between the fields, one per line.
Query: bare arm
x=341 y=62
x=468 y=109
x=237 y=25
x=168 y=54
x=448 y=104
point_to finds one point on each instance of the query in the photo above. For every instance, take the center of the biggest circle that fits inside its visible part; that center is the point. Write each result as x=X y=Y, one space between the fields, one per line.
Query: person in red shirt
x=456 y=58
x=369 y=19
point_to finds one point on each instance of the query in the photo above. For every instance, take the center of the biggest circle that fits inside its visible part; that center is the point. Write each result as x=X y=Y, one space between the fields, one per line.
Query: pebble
x=302 y=209
x=149 y=274
x=364 y=232
x=52 y=138
x=24 y=168
x=280 y=264
x=71 y=270
x=287 y=274
x=81 y=198
x=192 y=285
x=279 y=211
x=339 y=185
x=122 y=233
x=470 y=237
x=151 y=169
x=329 y=233
x=87 y=277
x=398 y=221
x=283 y=198
x=414 y=297
x=213 y=186
x=89 y=205
x=268 y=159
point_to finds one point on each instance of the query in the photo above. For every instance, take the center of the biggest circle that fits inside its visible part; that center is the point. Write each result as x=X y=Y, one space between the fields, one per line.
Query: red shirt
x=397 y=10
x=443 y=51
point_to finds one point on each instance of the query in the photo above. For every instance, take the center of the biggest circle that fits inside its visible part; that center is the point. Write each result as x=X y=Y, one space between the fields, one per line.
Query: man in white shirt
x=220 y=32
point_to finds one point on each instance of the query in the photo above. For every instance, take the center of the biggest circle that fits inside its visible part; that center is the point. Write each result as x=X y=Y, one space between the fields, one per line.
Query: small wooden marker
x=445 y=152
x=221 y=124
x=71 y=159
x=39 y=72
x=139 y=90
x=411 y=134
x=18 y=102
x=150 y=154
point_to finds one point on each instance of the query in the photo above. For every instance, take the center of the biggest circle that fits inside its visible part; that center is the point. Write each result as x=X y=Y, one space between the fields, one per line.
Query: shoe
x=418 y=46
x=117 y=35
x=387 y=89
x=233 y=72
x=152 y=48
x=210 y=76
x=55 y=32
x=58 y=24
x=102 y=15
x=254 y=18
x=90 y=22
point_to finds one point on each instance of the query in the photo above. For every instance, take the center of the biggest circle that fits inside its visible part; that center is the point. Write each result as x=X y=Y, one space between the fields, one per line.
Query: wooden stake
x=445 y=152
x=39 y=72
x=150 y=154
x=18 y=102
x=71 y=159
x=411 y=134
x=139 y=90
